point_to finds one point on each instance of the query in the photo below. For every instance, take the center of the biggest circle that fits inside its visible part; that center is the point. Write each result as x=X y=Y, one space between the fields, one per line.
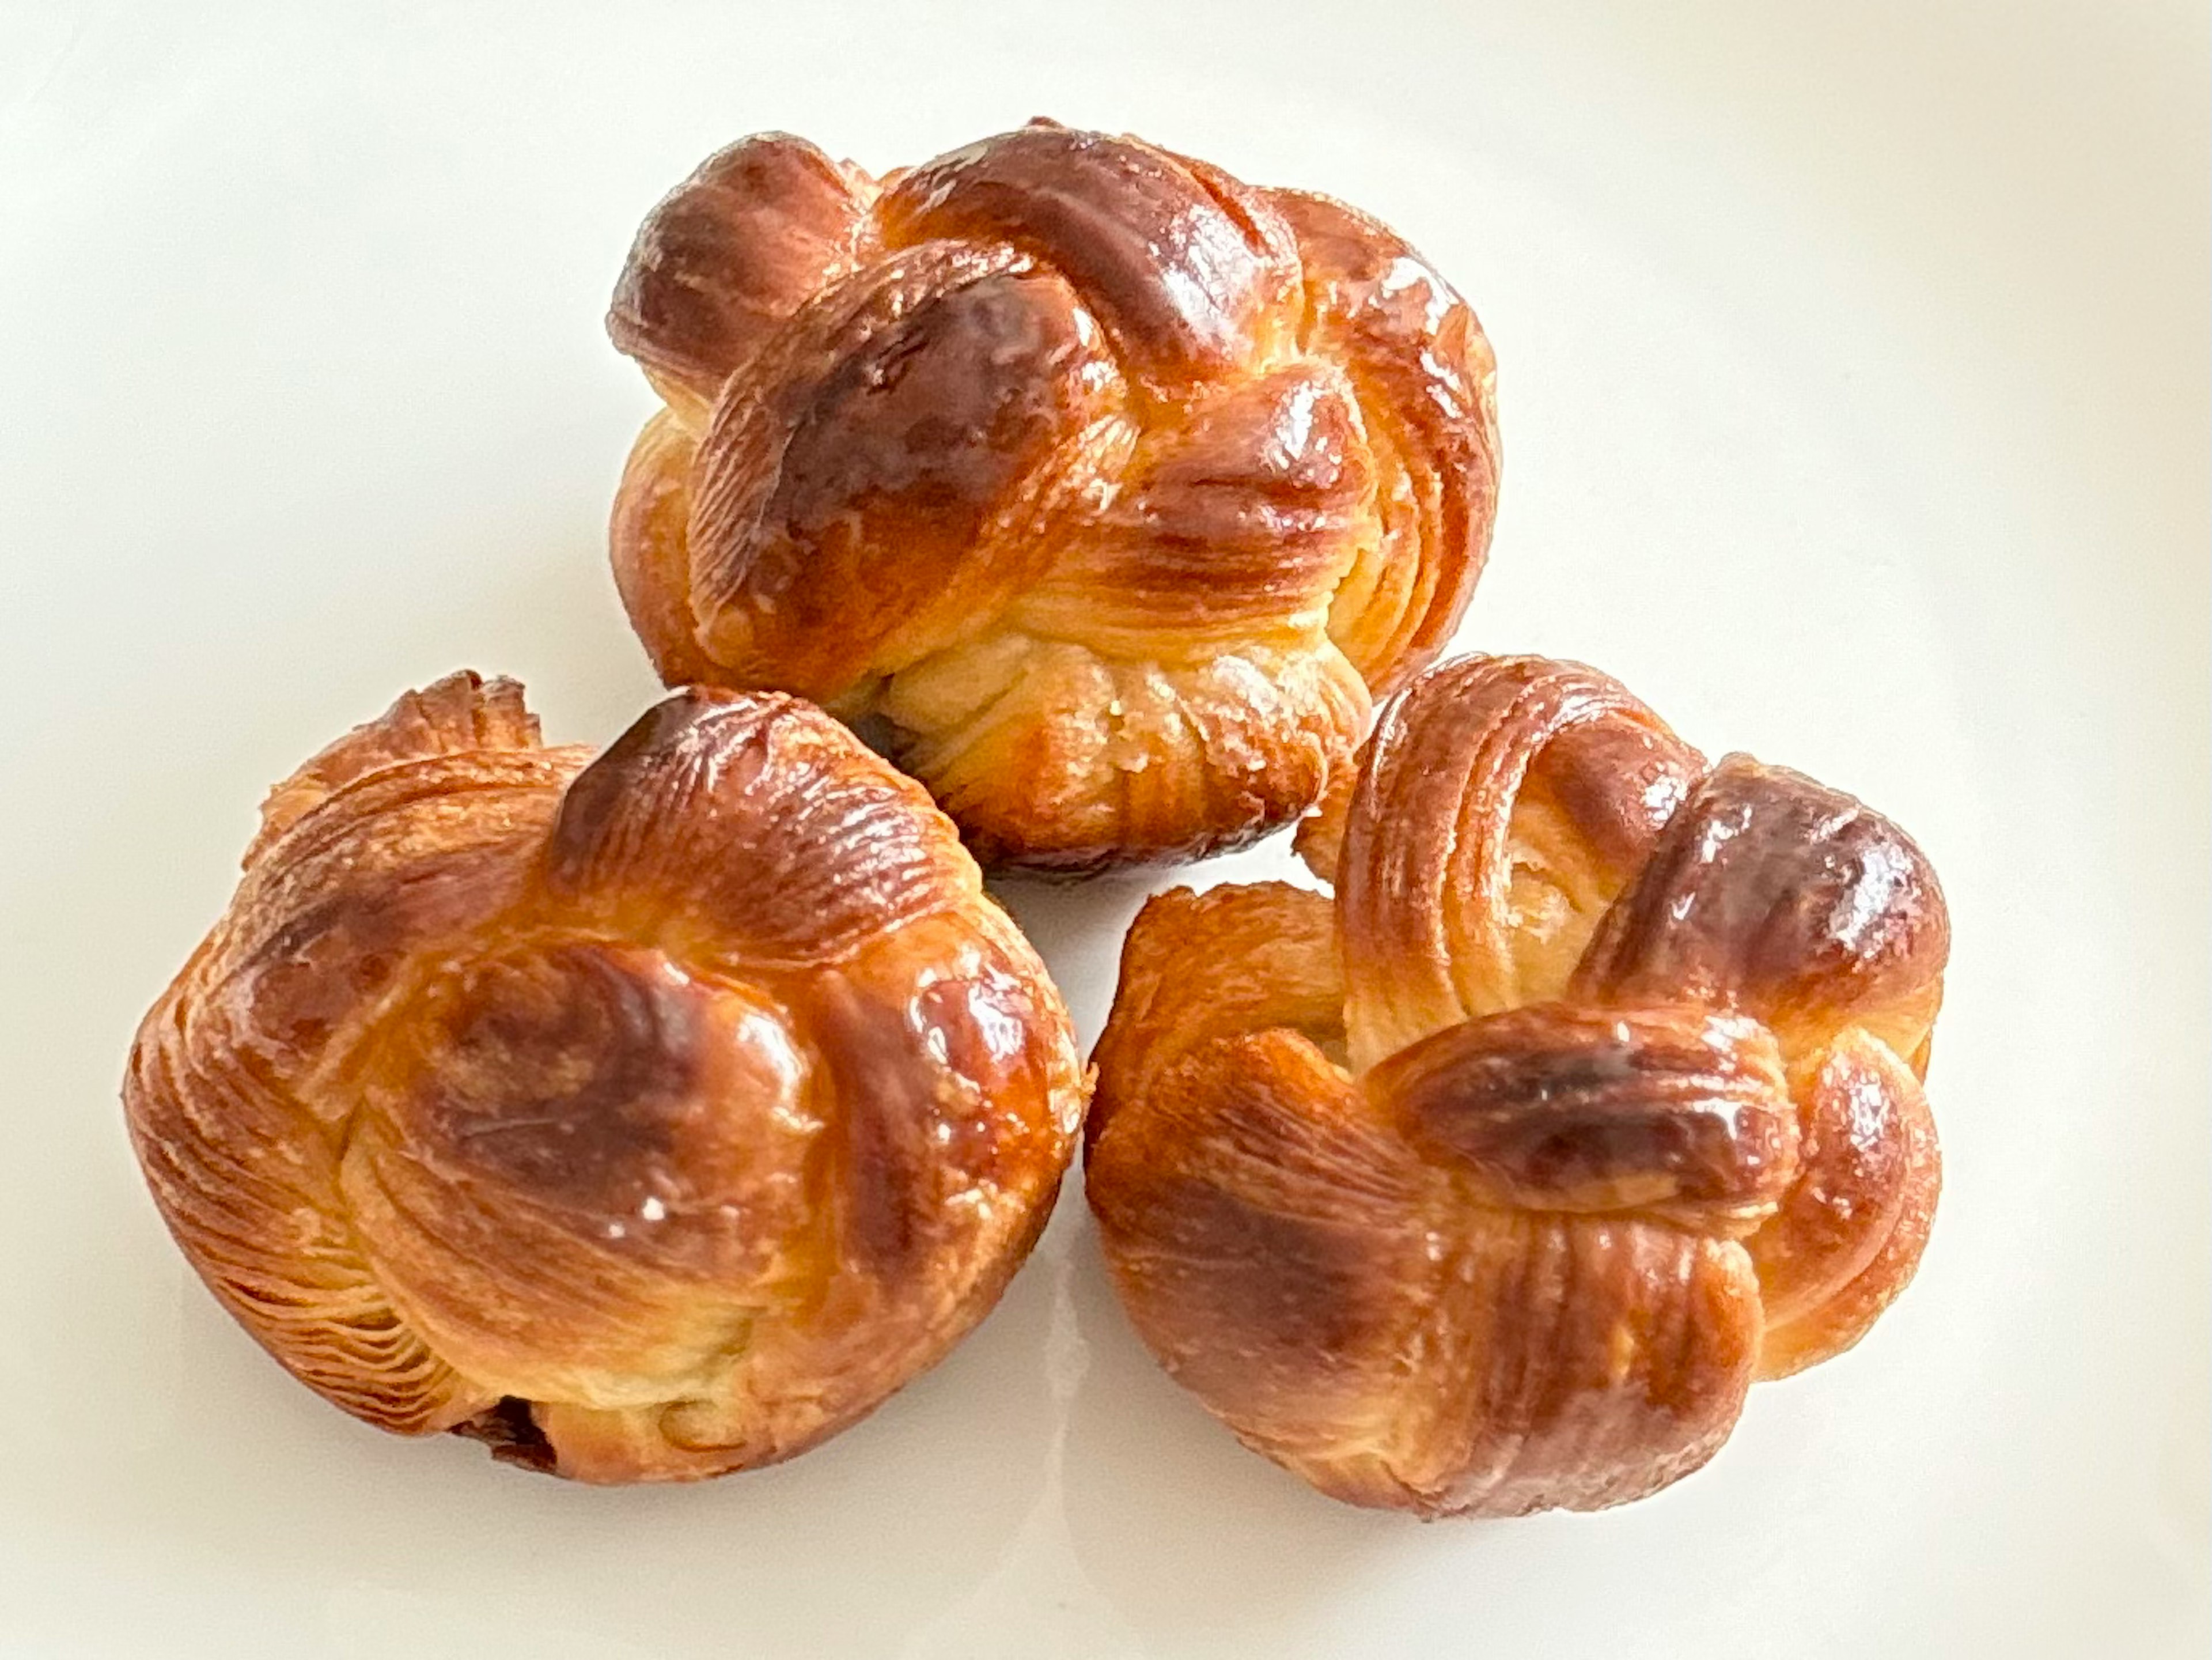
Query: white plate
x=1854 y=388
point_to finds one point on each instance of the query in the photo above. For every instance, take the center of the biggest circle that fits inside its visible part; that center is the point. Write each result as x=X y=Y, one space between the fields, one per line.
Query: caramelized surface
x=1490 y=1183
x=648 y=1116
x=1116 y=485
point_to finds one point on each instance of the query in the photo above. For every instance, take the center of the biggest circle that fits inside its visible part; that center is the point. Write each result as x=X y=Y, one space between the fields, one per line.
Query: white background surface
x=1854 y=385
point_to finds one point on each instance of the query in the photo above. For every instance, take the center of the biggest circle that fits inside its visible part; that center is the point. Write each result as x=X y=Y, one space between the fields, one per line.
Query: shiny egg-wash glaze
x=1114 y=486
x=1490 y=1183
x=649 y=1116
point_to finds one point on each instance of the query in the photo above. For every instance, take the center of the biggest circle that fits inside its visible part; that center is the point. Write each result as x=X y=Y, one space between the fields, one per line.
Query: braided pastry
x=649 y=1116
x=1491 y=1184
x=1110 y=484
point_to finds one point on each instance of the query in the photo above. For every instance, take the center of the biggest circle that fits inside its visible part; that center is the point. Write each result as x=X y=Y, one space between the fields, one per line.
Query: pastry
x=1107 y=486
x=647 y=1116
x=1490 y=1182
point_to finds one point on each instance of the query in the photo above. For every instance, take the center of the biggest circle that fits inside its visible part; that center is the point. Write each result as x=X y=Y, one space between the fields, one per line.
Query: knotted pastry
x=1491 y=1183
x=1110 y=484
x=649 y=1116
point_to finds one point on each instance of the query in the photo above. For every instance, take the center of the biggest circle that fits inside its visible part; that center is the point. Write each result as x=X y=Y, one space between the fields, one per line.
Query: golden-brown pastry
x=1491 y=1184
x=648 y=1116
x=1112 y=484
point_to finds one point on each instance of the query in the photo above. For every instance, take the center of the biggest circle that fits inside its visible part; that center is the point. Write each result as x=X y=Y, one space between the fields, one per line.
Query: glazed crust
x=649 y=1116
x=1116 y=486
x=1491 y=1182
